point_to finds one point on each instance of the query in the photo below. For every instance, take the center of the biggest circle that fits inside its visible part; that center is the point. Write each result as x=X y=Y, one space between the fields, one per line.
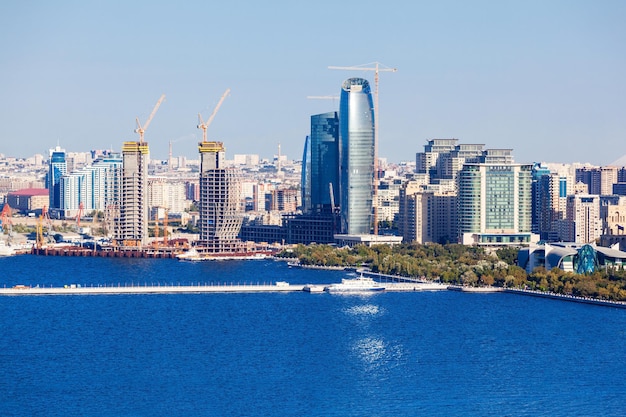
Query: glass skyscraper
x=56 y=169
x=356 y=156
x=324 y=153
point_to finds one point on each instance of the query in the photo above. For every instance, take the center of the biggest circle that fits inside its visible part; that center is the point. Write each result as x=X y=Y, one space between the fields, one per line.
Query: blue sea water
x=295 y=354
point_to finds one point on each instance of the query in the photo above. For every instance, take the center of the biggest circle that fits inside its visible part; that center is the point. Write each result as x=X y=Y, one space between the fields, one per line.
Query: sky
x=544 y=78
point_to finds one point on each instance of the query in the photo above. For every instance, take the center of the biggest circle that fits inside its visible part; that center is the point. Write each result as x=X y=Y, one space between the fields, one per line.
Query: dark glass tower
x=324 y=142
x=56 y=169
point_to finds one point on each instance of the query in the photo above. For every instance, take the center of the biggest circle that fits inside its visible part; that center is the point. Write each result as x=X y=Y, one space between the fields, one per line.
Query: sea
x=442 y=353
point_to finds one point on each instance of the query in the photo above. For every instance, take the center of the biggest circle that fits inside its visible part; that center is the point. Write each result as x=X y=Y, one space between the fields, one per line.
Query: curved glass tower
x=356 y=156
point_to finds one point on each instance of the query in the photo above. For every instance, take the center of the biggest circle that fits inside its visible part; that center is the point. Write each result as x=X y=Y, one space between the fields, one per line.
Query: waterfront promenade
x=192 y=289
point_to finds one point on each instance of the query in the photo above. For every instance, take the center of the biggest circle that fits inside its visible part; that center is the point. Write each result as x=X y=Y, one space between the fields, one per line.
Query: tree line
x=463 y=265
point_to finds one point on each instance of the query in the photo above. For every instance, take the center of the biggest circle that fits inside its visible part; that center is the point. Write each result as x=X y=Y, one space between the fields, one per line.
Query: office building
x=56 y=169
x=324 y=162
x=356 y=156
x=495 y=204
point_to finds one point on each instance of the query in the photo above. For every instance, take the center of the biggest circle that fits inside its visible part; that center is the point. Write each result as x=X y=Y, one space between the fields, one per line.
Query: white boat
x=314 y=288
x=360 y=284
x=193 y=255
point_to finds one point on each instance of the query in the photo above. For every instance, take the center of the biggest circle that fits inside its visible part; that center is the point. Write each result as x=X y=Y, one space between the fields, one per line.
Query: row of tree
x=463 y=265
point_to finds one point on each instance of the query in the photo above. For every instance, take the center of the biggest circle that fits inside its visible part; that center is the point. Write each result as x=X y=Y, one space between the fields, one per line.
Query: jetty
x=280 y=286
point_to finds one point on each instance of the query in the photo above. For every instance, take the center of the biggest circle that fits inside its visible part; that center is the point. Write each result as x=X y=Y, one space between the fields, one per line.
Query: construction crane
x=79 y=214
x=202 y=125
x=156 y=242
x=377 y=67
x=6 y=223
x=44 y=217
x=141 y=129
x=333 y=98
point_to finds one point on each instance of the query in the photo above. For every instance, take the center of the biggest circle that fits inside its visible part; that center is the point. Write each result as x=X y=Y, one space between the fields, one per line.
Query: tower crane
x=333 y=98
x=377 y=67
x=202 y=125
x=79 y=214
x=141 y=129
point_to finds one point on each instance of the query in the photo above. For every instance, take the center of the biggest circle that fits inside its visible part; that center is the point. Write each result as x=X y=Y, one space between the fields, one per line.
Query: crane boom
x=204 y=126
x=376 y=68
x=141 y=129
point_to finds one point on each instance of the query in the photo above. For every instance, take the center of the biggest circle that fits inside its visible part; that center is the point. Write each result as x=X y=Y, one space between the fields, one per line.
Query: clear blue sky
x=546 y=78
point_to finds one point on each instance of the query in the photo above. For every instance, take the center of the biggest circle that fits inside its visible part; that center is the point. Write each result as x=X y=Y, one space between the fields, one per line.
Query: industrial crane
x=333 y=98
x=376 y=68
x=141 y=129
x=79 y=214
x=202 y=125
x=44 y=217
x=6 y=222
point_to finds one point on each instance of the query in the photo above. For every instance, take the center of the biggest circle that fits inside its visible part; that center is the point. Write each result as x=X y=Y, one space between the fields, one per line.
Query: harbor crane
x=377 y=67
x=141 y=129
x=204 y=126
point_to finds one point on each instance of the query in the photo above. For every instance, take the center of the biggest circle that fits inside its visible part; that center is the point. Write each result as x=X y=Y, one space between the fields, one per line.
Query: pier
x=75 y=289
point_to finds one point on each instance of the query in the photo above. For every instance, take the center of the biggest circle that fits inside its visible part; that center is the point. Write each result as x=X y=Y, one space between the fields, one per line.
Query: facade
x=495 y=204
x=613 y=215
x=324 y=178
x=571 y=257
x=168 y=193
x=56 y=169
x=356 y=156
x=442 y=159
x=599 y=180
x=583 y=219
x=305 y=176
x=28 y=200
x=131 y=225
x=427 y=213
x=220 y=205
x=94 y=187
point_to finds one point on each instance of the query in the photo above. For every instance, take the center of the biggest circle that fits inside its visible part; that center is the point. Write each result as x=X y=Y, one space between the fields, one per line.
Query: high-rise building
x=427 y=213
x=95 y=187
x=599 y=180
x=495 y=204
x=324 y=166
x=167 y=193
x=56 y=169
x=356 y=156
x=131 y=227
x=583 y=223
x=305 y=176
x=442 y=159
x=220 y=204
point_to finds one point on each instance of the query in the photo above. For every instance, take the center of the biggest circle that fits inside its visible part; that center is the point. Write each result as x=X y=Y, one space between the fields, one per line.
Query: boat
x=360 y=284
x=313 y=288
x=193 y=255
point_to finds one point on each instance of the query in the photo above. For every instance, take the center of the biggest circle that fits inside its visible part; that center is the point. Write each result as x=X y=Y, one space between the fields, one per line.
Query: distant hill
x=620 y=162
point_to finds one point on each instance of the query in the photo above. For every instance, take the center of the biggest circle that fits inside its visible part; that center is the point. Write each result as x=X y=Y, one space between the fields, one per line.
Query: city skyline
x=543 y=79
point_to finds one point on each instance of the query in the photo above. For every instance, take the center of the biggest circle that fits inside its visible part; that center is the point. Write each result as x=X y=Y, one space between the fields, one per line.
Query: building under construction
x=220 y=205
x=131 y=228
